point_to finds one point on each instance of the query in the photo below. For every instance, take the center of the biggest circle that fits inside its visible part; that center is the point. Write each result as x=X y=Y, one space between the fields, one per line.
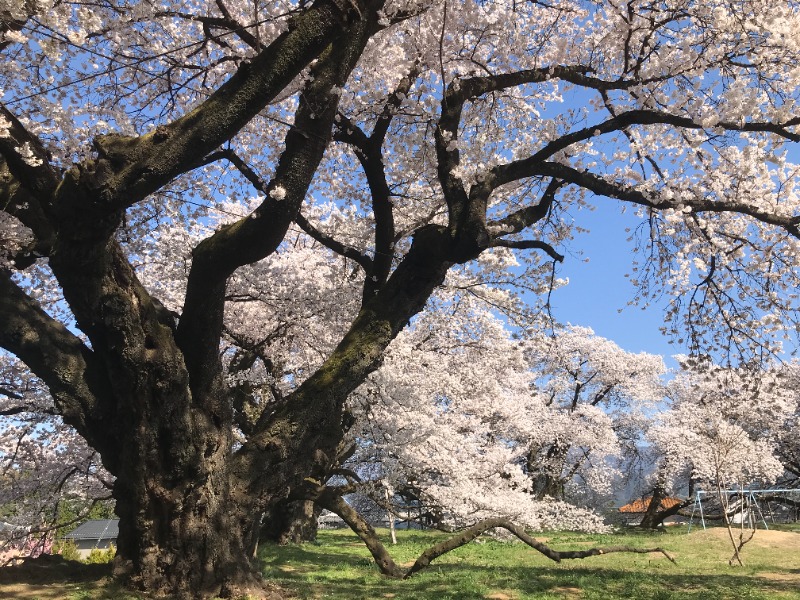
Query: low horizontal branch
x=469 y=534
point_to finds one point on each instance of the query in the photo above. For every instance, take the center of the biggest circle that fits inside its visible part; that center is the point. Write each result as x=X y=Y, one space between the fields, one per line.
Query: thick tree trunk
x=291 y=522
x=184 y=530
x=655 y=514
x=545 y=469
x=187 y=543
x=364 y=531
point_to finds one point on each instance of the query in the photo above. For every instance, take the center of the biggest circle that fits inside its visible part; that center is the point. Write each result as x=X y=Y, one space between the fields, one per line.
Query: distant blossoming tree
x=725 y=425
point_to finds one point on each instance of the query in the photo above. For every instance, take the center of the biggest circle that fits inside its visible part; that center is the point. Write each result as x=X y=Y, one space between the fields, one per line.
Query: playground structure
x=749 y=507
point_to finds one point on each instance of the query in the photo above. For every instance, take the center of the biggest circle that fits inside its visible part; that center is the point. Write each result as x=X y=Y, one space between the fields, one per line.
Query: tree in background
x=602 y=395
x=449 y=419
x=411 y=139
x=725 y=425
x=49 y=479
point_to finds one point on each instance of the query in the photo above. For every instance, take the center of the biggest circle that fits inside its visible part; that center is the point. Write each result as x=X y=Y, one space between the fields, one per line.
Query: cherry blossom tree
x=788 y=446
x=469 y=388
x=724 y=424
x=602 y=395
x=411 y=139
x=45 y=467
x=448 y=421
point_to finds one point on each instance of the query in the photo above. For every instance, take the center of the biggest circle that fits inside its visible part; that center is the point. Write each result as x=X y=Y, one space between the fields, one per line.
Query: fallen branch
x=469 y=534
x=389 y=568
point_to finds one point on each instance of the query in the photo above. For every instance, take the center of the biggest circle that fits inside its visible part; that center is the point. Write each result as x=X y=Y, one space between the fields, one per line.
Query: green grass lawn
x=338 y=567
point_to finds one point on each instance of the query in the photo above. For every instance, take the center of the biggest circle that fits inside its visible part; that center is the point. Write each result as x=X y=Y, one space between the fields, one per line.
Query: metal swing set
x=746 y=507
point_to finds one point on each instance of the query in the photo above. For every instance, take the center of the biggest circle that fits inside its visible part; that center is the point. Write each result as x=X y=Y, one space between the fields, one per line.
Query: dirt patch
x=568 y=593
x=51 y=568
x=25 y=591
x=764 y=538
x=783 y=577
x=499 y=596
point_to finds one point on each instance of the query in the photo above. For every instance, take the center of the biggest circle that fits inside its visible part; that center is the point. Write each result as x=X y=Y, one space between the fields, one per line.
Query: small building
x=98 y=534
x=634 y=512
x=329 y=520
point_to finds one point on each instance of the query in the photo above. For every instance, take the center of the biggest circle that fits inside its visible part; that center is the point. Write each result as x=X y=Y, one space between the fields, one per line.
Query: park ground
x=338 y=567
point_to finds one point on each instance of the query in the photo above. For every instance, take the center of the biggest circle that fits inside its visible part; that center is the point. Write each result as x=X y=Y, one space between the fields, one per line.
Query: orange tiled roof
x=640 y=505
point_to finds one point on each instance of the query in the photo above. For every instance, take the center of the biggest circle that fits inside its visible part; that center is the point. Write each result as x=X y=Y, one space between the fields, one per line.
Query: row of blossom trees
x=465 y=418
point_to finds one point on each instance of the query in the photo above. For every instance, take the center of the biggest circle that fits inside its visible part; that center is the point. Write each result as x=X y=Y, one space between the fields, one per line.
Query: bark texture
x=147 y=393
x=291 y=522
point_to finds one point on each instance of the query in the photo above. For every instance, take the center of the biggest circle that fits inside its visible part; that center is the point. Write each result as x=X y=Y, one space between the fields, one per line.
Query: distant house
x=634 y=511
x=329 y=520
x=97 y=534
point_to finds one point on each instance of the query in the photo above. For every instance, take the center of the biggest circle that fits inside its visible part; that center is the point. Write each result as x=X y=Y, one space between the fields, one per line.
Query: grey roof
x=97 y=529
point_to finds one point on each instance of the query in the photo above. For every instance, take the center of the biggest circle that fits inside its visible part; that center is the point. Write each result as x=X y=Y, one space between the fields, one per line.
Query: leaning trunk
x=653 y=516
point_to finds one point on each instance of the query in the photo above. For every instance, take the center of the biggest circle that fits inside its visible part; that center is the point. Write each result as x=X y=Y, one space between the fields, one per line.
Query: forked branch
x=388 y=567
x=469 y=534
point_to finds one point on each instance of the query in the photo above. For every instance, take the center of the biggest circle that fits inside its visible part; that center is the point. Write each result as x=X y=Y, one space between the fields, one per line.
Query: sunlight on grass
x=338 y=567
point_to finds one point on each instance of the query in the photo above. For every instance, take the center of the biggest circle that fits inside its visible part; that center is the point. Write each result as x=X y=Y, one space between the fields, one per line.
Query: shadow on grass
x=49 y=568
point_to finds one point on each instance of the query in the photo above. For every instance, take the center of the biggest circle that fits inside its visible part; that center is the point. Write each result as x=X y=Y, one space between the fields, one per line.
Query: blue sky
x=598 y=292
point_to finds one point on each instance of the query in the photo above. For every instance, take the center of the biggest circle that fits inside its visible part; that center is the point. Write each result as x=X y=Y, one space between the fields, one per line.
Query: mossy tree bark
x=146 y=392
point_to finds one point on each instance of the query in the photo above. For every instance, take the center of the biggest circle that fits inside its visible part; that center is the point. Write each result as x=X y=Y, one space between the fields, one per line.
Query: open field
x=338 y=567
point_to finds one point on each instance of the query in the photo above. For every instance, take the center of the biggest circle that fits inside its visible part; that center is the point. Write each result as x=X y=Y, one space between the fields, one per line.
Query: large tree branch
x=330 y=500
x=336 y=504
x=369 y=151
x=226 y=23
x=528 y=245
x=469 y=213
x=26 y=157
x=466 y=536
x=253 y=238
x=57 y=357
x=502 y=174
x=527 y=216
x=393 y=104
x=23 y=205
x=260 y=185
x=333 y=244
x=621 y=191
x=129 y=169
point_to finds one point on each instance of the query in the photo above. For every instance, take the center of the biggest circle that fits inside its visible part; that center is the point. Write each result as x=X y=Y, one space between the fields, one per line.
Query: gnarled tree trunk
x=291 y=522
